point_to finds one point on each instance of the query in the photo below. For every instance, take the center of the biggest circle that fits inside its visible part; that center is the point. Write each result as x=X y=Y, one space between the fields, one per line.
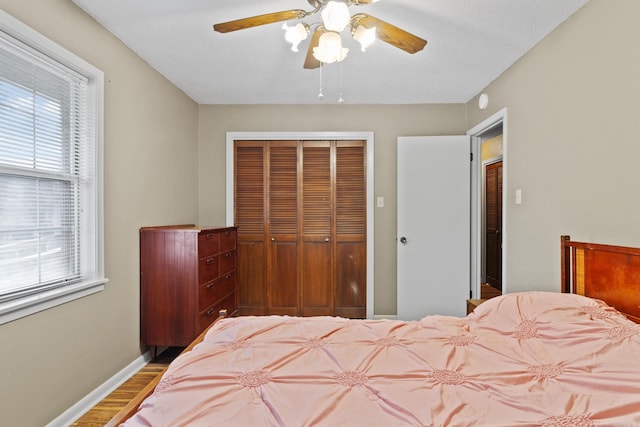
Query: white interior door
x=433 y=235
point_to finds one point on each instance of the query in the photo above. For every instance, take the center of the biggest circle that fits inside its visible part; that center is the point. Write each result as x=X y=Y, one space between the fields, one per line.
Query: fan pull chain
x=320 y=95
x=340 y=99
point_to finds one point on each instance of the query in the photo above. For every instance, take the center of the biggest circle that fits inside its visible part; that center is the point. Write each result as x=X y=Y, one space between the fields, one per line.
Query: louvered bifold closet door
x=493 y=223
x=249 y=208
x=282 y=266
x=317 y=231
x=300 y=208
x=351 y=230
x=499 y=266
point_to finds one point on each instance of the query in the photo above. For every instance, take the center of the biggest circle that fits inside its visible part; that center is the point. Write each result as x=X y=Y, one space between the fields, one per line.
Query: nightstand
x=473 y=303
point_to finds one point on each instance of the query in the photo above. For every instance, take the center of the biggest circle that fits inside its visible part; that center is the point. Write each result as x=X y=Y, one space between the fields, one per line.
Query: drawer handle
x=211 y=285
x=211 y=261
x=228 y=255
x=209 y=236
x=211 y=311
x=228 y=277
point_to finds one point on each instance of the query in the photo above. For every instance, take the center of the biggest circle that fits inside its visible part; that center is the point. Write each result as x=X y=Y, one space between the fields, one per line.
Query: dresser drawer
x=208 y=269
x=227 y=240
x=214 y=291
x=206 y=317
x=208 y=243
x=227 y=262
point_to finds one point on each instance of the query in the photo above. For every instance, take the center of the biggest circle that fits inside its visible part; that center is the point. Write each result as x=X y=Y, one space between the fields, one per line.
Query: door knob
x=403 y=240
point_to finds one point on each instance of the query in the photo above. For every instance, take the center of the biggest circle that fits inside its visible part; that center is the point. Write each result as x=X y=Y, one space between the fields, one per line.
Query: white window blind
x=49 y=189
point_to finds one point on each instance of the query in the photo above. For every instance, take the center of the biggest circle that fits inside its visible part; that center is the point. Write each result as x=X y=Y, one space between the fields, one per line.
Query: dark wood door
x=282 y=228
x=316 y=233
x=311 y=256
x=493 y=210
x=351 y=229
x=250 y=209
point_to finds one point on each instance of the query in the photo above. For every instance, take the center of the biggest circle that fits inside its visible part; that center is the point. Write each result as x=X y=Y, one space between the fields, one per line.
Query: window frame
x=95 y=280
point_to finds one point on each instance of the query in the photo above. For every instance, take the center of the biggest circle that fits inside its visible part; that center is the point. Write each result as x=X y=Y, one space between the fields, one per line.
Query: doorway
x=489 y=252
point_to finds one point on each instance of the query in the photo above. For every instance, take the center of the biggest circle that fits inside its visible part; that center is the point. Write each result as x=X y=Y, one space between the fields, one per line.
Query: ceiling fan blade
x=391 y=34
x=310 y=61
x=255 y=21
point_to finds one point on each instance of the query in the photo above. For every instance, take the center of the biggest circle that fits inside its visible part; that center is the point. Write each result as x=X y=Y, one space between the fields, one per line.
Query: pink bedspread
x=526 y=359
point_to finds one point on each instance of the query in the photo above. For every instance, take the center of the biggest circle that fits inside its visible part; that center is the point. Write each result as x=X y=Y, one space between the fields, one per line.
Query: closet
x=300 y=208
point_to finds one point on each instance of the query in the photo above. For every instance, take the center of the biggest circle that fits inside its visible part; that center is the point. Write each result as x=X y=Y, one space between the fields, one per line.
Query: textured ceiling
x=470 y=43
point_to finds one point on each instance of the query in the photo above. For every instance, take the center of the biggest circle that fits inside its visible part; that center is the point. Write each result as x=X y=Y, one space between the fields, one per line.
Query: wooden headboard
x=605 y=272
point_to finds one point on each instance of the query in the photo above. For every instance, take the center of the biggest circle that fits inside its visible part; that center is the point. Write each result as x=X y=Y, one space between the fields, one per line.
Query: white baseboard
x=90 y=400
x=385 y=316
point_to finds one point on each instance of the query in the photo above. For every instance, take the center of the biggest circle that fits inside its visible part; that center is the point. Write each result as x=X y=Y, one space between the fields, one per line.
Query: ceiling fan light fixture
x=364 y=36
x=335 y=16
x=295 y=34
x=325 y=46
x=329 y=49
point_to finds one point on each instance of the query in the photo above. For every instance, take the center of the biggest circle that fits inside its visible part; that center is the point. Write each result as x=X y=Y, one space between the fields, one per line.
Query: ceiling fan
x=325 y=45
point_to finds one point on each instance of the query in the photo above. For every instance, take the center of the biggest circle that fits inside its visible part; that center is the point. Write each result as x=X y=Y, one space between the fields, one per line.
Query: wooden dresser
x=187 y=275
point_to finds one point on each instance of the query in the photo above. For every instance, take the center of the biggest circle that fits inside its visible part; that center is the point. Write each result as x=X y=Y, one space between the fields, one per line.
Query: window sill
x=22 y=307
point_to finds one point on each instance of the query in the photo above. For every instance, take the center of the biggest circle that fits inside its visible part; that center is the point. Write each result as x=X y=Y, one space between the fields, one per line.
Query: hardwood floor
x=100 y=414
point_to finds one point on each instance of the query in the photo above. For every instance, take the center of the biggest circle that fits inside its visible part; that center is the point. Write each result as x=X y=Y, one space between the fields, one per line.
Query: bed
x=521 y=359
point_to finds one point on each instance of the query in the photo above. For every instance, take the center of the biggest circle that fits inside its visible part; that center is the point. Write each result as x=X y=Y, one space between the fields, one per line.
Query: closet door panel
x=351 y=223
x=499 y=267
x=283 y=287
x=317 y=230
x=250 y=218
x=493 y=215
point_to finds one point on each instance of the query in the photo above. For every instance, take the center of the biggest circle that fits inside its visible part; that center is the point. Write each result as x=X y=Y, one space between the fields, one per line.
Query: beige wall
x=573 y=140
x=387 y=122
x=52 y=359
